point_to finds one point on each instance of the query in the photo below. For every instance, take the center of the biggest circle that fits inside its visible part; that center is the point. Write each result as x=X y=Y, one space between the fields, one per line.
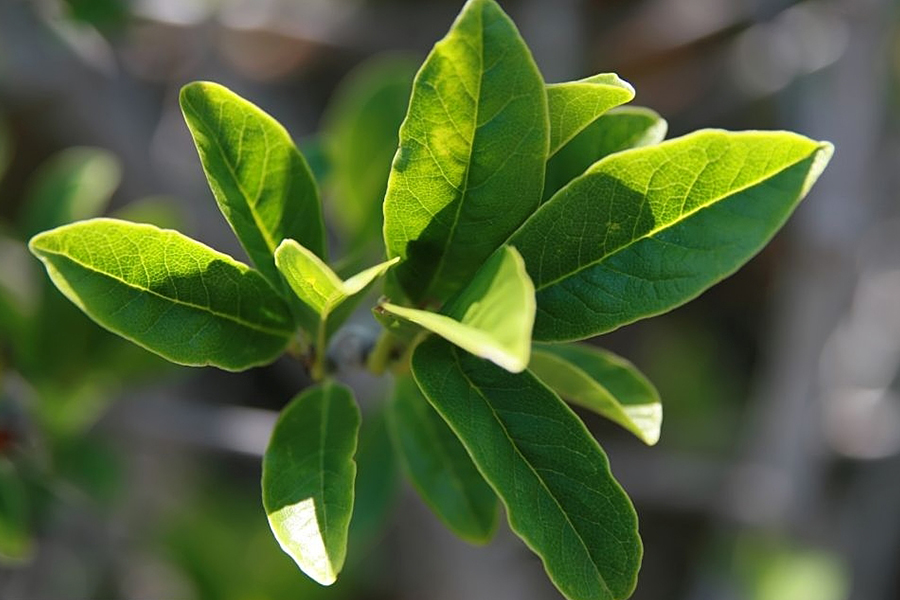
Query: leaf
x=166 y=292
x=439 y=467
x=74 y=184
x=260 y=180
x=19 y=292
x=491 y=318
x=162 y=211
x=574 y=105
x=16 y=545
x=470 y=167
x=320 y=290
x=620 y=129
x=377 y=480
x=551 y=475
x=360 y=129
x=307 y=479
x=6 y=147
x=645 y=230
x=602 y=382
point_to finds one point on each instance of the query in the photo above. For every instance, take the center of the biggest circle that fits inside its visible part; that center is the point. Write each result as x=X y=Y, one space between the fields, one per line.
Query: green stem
x=380 y=356
x=317 y=370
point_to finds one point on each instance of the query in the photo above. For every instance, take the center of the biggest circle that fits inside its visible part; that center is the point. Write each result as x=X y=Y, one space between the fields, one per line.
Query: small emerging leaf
x=470 y=167
x=166 y=292
x=492 y=317
x=439 y=466
x=75 y=184
x=602 y=382
x=318 y=287
x=308 y=476
x=645 y=230
x=551 y=475
x=620 y=129
x=574 y=105
x=260 y=180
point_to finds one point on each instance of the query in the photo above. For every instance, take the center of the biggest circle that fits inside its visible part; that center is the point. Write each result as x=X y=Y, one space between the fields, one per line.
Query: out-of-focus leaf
x=377 y=482
x=15 y=536
x=160 y=211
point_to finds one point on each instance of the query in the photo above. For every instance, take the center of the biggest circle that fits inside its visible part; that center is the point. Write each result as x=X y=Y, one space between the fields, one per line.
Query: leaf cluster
x=518 y=217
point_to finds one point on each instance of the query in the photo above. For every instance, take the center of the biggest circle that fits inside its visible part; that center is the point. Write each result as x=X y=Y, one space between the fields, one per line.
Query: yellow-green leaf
x=574 y=105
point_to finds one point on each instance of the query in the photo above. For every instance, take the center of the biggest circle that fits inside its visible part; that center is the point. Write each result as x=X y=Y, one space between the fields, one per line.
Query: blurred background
x=778 y=473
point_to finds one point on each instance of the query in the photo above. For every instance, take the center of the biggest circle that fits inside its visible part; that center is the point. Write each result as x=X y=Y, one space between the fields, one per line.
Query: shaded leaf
x=308 y=476
x=260 y=180
x=470 y=167
x=492 y=317
x=166 y=292
x=603 y=382
x=439 y=467
x=377 y=481
x=74 y=184
x=620 y=129
x=16 y=545
x=551 y=475
x=645 y=230
x=574 y=105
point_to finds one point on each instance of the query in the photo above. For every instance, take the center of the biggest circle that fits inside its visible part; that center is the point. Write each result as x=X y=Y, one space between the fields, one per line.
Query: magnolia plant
x=519 y=218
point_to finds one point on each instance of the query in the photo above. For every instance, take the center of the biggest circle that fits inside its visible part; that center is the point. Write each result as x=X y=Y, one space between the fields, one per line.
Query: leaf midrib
x=207 y=309
x=534 y=471
x=653 y=232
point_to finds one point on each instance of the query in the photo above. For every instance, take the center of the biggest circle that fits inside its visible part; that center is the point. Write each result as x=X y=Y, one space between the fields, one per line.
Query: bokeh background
x=778 y=473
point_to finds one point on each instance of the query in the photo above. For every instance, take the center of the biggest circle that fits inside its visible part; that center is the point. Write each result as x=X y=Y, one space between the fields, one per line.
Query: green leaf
x=19 y=292
x=645 y=230
x=491 y=318
x=162 y=211
x=619 y=129
x=6 y=147
x=470 y=167
x=439 y=466
x=603 y=382
x=260 y=180
x=16 y=545
x=320 y=290
x=377 y=479
x=74 y=184
x=166 y=292
x=360 y=129
x=307 y=479
x=574 y=105
x=551 y=475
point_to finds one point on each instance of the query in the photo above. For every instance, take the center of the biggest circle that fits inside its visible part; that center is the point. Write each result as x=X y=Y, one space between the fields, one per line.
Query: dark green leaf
x=470 y=167
x=308 y=476
x=166 y=292
x=603 y=382
x=260 y=180
x=15 y=535
x=551 y=475
x=645 y=230
x=439 y=466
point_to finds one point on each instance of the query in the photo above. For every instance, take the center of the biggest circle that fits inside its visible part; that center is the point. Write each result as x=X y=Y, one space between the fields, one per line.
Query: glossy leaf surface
x=551 y=475
x=602 y=382
x=166 y=292
x=318 y=287
x=308 y=477
x=574 y=105
x=645 y=230
x=439 y=466
x=74 y=184
x=491 y=318
x=470 y=167
x=620 y=129
x=260 y=180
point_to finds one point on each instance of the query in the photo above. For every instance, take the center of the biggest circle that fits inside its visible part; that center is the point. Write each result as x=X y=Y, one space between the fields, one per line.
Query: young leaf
x=491 y=318
x=602 y=382
x=360 y=127
x=260 y=180
x=439 y=466
x=551 y=475
x=574 y=105
x=620 y=129
x=645 y=230
x=307 y=478
x=166 y=292
x=319 y=289
x=470 y=167
x=75 y=184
